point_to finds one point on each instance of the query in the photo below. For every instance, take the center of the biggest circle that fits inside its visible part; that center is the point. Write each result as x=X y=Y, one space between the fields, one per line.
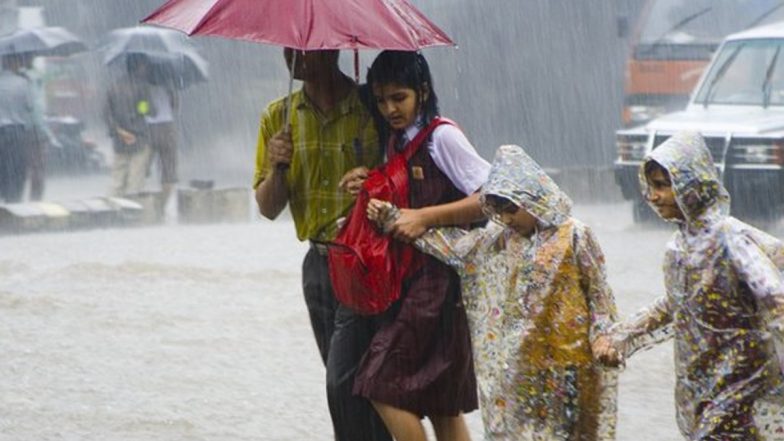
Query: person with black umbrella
x=128 y=103
x=17 y=127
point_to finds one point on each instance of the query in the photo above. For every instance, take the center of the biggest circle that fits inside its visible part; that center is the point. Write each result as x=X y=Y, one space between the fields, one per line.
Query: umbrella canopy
x=42 y=41
x=306 y=24
x=169 y=52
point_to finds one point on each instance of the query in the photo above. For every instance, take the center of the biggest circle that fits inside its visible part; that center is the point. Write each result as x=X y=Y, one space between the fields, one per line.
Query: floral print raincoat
x=724 y=307
x=534 y=304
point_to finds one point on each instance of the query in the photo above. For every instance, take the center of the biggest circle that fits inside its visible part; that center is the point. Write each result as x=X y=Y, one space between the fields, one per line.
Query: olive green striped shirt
x=325 y=148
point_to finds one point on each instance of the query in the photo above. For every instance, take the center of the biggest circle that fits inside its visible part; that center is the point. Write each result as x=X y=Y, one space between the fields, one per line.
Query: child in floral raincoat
x=535 y=293
x=724 y=304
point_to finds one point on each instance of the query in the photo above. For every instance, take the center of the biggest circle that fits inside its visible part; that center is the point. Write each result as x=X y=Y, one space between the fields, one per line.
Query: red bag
x=367 y=267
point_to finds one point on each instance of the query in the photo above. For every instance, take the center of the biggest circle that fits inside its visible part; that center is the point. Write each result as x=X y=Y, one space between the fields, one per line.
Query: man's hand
x=410 y=225
x=280 y=149
x=606 y=351
x=126 y=137
x=353 y=179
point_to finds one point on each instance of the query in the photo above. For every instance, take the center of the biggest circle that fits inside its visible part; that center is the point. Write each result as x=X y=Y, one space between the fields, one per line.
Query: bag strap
x=413 y=146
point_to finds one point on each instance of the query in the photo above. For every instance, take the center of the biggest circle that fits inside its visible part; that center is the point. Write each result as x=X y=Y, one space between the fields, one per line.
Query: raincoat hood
x=698 y=190
x=517 y=177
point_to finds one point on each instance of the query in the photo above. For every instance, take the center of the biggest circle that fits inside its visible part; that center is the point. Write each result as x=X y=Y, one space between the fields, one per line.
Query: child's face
x=397 y=104
x=661 y=195
x=506 y=212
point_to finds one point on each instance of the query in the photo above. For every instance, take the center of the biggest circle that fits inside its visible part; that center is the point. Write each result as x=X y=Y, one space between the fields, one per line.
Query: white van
x=738 y=105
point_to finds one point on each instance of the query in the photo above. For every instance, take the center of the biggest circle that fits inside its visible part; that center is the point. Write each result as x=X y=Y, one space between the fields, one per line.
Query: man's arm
x=272 y=193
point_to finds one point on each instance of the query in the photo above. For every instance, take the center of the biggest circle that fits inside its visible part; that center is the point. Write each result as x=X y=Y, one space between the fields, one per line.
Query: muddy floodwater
x=200 y=333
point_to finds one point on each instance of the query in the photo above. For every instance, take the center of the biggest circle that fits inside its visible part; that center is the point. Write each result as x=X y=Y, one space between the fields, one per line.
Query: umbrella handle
x=287 y=110
x=356 y=65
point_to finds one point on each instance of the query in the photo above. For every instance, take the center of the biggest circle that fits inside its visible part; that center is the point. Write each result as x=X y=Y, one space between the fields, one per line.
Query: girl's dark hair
x=408 y=69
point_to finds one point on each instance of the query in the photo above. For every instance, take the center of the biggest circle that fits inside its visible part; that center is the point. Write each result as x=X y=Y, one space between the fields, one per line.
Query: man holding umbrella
x=300 y=164
x=301 y=158
x=17 y=127
x=24 y=131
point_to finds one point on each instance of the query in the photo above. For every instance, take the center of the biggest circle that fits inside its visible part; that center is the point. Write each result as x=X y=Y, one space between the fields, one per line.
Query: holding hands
x=404 y=224
x=383 y=214
x=606 y=351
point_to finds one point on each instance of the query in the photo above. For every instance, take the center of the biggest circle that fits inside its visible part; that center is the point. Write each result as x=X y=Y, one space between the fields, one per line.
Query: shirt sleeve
x=457 y=158
x=262 y=163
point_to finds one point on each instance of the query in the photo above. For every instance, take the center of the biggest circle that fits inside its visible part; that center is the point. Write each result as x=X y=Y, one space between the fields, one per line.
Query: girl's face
x=399 y=105
x=506 y=212
x=662 y=196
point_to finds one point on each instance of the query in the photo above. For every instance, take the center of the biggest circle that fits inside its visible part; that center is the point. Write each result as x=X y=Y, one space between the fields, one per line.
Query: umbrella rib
x=205 y=18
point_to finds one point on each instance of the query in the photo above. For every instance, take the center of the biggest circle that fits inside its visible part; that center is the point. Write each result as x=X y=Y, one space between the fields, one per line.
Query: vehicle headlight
x=760 y=153
x=631 y=148
x=635 y=115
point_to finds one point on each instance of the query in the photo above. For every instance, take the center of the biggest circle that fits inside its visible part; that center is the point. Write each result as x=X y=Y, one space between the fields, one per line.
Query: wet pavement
x=200 y=333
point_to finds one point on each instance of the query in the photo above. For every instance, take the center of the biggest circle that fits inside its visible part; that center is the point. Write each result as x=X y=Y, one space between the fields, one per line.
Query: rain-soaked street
x=200 y=333
x=178 y=331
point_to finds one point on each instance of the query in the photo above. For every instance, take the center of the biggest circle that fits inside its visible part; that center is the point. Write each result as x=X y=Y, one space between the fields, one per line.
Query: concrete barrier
x=152 y=207
x=213 y=205
x=30 y=217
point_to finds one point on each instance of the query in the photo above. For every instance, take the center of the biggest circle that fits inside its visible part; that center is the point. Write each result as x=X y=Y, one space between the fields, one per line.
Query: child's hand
x=606 y=351
x=383 y=213
x=376 y=209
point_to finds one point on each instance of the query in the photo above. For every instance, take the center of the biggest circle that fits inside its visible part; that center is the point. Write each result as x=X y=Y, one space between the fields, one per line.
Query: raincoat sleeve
x=593 y=279
x=451 y=245
x=766 y=283
x=648 y=327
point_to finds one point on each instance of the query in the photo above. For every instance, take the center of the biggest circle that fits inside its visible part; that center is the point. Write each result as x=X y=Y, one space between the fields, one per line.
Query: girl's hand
x=410 y=225
x=606 y=351
x=353 y=179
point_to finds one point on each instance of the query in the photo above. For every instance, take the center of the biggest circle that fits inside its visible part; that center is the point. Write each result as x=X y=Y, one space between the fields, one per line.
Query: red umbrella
x=306 y=24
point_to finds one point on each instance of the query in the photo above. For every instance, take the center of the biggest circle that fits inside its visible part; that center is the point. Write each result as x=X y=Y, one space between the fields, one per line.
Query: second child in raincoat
x=724 y=304
x=536 y=298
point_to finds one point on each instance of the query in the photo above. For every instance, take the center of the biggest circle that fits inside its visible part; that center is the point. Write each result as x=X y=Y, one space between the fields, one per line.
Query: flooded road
x=200 y=333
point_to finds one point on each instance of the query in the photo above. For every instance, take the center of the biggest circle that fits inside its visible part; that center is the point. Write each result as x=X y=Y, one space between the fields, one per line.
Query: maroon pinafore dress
x=420 y=358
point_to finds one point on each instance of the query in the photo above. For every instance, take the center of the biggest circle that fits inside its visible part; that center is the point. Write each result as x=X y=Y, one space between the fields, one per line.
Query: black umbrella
x=43 y=41
x=170 y=53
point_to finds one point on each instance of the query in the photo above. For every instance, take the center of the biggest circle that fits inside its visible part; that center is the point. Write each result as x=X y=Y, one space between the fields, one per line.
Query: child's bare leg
x=450 y=428
x=403 y=425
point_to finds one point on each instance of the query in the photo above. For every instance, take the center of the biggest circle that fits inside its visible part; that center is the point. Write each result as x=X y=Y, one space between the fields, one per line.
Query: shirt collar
x=347 y=105
x=411 y=131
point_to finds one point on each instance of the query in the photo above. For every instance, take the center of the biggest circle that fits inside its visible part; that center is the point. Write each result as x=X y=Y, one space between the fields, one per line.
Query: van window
x=746 y=73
